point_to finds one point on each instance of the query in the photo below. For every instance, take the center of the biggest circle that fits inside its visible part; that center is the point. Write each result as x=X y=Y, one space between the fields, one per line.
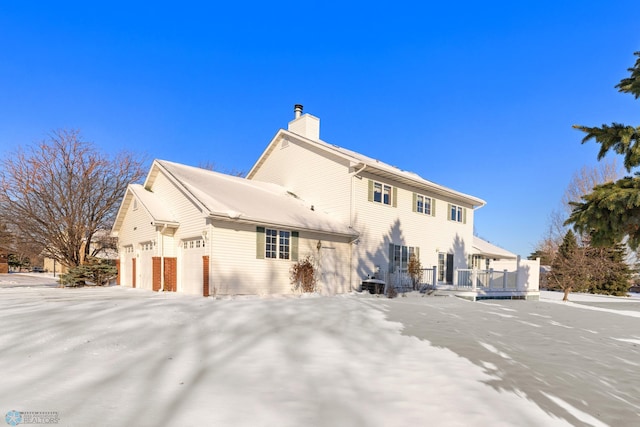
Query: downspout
x=351 y=209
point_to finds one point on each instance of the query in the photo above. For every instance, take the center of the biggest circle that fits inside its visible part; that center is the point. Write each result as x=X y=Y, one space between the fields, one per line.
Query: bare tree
x=582 y=182
x=209 y=165
x=60 y=192
x=6 y=237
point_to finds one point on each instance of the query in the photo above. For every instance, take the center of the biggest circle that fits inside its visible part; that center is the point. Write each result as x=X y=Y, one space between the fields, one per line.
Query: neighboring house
x=356 y=216
x=101 y=244
x=485 y=254
x=4 y=261
x=50 y=265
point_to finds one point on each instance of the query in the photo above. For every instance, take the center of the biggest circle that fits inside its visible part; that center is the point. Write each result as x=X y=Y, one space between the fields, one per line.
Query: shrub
x=391 y=291
x=97 y=271
x=303 y=275
x=415 y=270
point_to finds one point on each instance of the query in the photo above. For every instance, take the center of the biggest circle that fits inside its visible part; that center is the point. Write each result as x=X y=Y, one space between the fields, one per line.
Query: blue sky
x=476 y=96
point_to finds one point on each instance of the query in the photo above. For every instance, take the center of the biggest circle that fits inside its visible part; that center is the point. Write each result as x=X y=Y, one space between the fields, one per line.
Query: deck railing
x=491 y=280
x=486 y=280
x=402 y=281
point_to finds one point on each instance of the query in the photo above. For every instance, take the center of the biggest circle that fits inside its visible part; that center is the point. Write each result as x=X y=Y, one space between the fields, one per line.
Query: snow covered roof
x=158 y=211
x=232 y=198
x=482 y=247
x=357 y=161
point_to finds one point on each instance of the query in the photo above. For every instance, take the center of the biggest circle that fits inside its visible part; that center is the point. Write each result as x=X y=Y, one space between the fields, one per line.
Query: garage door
x=145 y=265
x=191 y=266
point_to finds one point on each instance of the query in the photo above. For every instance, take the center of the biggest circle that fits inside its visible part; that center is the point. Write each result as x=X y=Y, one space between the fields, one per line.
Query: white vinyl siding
x=317 y=177
x=237 y=267
x=402 y=226
x=327 y=181
x=136 y=230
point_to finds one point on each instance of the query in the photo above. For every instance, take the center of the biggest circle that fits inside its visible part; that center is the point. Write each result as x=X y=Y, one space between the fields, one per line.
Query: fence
x=403 y=282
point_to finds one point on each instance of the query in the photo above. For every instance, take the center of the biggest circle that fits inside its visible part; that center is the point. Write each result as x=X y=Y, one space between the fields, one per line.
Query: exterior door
x=329 y=270
x=449 y=270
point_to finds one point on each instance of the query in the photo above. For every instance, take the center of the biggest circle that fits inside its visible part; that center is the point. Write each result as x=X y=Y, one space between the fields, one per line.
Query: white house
x=198 y=231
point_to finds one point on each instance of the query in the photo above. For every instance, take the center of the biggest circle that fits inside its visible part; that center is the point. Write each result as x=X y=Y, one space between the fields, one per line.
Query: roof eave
x=246 y=220
x=435 y=188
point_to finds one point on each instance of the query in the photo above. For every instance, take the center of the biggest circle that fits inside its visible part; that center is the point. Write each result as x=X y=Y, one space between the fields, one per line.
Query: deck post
x=519 y=284
x=504 y=279
x=474 y=280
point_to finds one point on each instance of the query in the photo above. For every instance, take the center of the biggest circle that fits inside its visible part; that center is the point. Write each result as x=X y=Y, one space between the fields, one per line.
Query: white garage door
x=145 y=266
x=191 y=263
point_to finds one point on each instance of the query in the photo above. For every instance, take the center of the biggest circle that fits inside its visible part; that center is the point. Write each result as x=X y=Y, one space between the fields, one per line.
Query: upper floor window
x=423 y=204
x=457 y=213
x=382 y=193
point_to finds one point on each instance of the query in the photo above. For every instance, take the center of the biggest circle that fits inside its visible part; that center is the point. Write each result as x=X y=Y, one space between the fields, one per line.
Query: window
x=382 y=193
x=271 y=244
x=191 y=244
x=399 y=256
x=441 y=266
x=147 y=246
x=277 y=243
x=457 y=213
x=423 y=204
x=283 y=247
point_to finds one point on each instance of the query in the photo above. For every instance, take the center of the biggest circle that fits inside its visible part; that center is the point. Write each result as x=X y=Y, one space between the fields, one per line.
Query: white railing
x=518 y=275
x=487 y=280
x=402 y=281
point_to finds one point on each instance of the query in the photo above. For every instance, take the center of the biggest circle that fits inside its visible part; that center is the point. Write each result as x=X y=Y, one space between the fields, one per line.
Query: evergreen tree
x=613 y=275
x=570 y=270
x=611 y=212
x=546 y=257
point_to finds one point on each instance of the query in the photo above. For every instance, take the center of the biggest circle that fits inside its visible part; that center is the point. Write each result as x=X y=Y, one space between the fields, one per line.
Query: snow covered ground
x=117 y=356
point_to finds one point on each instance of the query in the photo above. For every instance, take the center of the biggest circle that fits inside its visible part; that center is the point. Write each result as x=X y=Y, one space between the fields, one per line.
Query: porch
x=517 y=279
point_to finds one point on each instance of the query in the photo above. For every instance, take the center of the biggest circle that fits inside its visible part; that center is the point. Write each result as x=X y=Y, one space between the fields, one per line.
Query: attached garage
x=200 y=232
